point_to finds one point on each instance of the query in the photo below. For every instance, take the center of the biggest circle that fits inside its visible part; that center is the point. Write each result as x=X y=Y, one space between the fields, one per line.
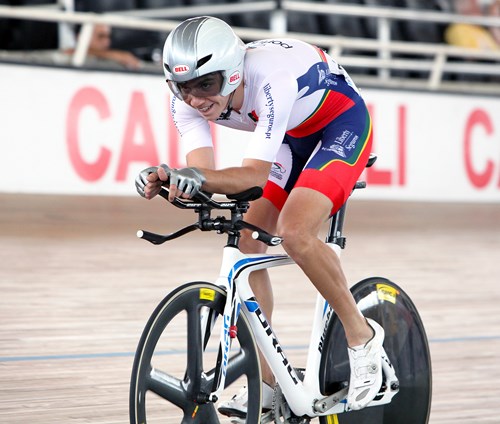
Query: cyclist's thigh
x=336 y=165
x=264 y=214
x=304 y=213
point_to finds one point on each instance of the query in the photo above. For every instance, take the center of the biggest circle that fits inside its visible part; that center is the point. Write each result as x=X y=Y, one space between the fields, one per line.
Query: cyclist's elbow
x=257 y=171
x=261 y=182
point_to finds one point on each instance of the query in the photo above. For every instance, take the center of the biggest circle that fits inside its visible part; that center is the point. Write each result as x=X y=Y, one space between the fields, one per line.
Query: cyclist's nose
x=194 y=101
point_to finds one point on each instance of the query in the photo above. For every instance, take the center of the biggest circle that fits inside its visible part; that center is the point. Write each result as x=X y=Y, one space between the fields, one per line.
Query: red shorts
x=329 y=161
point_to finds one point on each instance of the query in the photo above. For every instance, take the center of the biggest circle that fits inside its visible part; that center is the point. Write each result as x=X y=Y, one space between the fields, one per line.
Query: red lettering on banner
x=137 y=145
x=86 y=97
x=479 y=179
x=142 y=149
x=376 y=176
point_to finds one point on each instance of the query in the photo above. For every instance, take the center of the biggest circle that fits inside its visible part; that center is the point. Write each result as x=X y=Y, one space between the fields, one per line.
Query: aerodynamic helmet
x=200 y=46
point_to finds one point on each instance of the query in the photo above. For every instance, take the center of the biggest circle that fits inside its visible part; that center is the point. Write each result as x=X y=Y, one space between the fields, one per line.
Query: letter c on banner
x=477 y=178
x=86 y=97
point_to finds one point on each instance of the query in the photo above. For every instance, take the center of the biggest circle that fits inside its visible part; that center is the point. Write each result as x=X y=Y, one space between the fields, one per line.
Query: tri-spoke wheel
x=176 y=360
x=406 y=346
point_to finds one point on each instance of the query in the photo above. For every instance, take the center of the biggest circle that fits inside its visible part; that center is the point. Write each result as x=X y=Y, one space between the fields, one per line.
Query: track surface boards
x=77 y=287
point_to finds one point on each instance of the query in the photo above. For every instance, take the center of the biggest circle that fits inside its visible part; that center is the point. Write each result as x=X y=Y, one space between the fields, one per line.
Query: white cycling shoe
x=366 y=369
x=237 y=406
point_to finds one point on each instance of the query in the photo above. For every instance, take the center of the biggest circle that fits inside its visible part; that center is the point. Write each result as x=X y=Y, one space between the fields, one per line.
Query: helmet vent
x=167 y=67
x=203 y=60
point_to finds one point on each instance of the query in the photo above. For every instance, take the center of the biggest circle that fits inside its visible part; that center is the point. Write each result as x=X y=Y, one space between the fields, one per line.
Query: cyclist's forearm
x=236 y=179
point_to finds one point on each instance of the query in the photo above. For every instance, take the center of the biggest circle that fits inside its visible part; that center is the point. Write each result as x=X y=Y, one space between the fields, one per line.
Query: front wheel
x=175 y=362
x=406 y=346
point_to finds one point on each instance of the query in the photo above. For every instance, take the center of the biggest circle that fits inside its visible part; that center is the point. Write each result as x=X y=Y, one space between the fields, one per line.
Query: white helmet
x=200 y=46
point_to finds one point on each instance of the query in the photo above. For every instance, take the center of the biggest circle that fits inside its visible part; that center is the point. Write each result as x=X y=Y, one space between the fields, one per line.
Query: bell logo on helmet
x=181 y=69
x=234 y=78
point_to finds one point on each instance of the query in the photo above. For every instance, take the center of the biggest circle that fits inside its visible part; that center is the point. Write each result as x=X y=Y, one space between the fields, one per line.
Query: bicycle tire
x=406 y=346
x=183 y=307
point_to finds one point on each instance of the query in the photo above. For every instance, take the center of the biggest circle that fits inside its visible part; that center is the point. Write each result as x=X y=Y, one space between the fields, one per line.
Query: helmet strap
x=229 y=107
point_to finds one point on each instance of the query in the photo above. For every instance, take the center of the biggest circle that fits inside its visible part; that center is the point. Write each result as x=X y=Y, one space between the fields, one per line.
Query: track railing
x=384 y=57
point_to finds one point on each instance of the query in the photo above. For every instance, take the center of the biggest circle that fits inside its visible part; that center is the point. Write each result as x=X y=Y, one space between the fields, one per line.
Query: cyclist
x=311 y=140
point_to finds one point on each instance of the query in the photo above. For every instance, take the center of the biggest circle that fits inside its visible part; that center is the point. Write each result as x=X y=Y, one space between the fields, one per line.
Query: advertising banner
x=85 y=132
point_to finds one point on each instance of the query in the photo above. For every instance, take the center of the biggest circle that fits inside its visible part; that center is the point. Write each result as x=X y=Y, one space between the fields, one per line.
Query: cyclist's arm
x=252 y=172
x=202 y=157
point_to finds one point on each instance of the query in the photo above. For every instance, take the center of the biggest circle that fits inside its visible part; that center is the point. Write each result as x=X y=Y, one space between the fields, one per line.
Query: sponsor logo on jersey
x=270 y=106
x=277 y=171
x=339 y=150
x=326 y=77
x=279 y=43
x=344 y=144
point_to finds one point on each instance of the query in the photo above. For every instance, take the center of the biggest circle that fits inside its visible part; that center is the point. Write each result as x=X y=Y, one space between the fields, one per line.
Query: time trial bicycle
x=203 y=338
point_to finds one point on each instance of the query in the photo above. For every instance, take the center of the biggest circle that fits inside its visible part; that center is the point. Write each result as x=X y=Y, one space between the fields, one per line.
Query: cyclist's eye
x=183 y=89
x=206 y=85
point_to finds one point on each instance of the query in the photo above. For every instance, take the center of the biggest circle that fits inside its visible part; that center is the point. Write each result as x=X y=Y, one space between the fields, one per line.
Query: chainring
x=281 y=411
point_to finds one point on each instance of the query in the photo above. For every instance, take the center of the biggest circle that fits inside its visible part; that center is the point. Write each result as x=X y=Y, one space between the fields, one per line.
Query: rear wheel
x=175 y=362
x=406 y=346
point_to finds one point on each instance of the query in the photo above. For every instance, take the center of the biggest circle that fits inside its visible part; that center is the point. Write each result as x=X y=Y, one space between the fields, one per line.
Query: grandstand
x=382 y=43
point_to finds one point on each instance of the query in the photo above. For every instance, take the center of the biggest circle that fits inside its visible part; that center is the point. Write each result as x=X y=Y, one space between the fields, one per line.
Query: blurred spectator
x=99 y=54
x=470 y=35
x=99 y=47
x=494 y=10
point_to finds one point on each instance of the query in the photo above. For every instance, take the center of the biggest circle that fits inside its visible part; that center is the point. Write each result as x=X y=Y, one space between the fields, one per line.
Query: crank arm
x=329 y=402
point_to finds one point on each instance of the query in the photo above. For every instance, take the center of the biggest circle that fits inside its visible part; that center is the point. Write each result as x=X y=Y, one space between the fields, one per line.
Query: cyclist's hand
x=184 y=182
x=147 y=183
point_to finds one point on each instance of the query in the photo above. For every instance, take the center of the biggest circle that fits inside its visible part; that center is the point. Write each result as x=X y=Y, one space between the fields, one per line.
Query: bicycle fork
x=235 y=268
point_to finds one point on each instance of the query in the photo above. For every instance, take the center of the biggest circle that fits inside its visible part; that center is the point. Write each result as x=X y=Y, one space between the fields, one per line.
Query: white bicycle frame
x=303 y=397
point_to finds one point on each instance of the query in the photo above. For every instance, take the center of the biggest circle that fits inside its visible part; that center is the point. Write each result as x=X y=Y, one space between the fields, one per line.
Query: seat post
x=337 y=220
x=336 y=227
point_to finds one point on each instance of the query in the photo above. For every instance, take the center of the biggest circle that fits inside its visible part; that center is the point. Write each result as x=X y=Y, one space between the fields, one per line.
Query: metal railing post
x=82 y=46
x=384 y=38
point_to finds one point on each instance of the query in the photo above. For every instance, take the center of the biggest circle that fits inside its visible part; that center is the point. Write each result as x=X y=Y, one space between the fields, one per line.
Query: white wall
x=78 y=132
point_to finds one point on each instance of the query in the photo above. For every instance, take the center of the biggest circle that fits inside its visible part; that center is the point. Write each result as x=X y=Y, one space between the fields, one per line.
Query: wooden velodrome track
x=77 y=287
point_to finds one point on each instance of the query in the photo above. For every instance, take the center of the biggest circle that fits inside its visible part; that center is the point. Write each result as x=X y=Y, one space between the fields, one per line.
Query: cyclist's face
x=202 y=93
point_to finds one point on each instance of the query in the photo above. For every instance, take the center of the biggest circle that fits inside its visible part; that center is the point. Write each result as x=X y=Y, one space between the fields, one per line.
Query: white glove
x=142 y=179
x=187 y=180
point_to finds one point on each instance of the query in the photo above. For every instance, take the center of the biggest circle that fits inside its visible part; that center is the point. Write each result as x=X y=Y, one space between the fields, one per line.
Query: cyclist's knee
x=296 y=239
